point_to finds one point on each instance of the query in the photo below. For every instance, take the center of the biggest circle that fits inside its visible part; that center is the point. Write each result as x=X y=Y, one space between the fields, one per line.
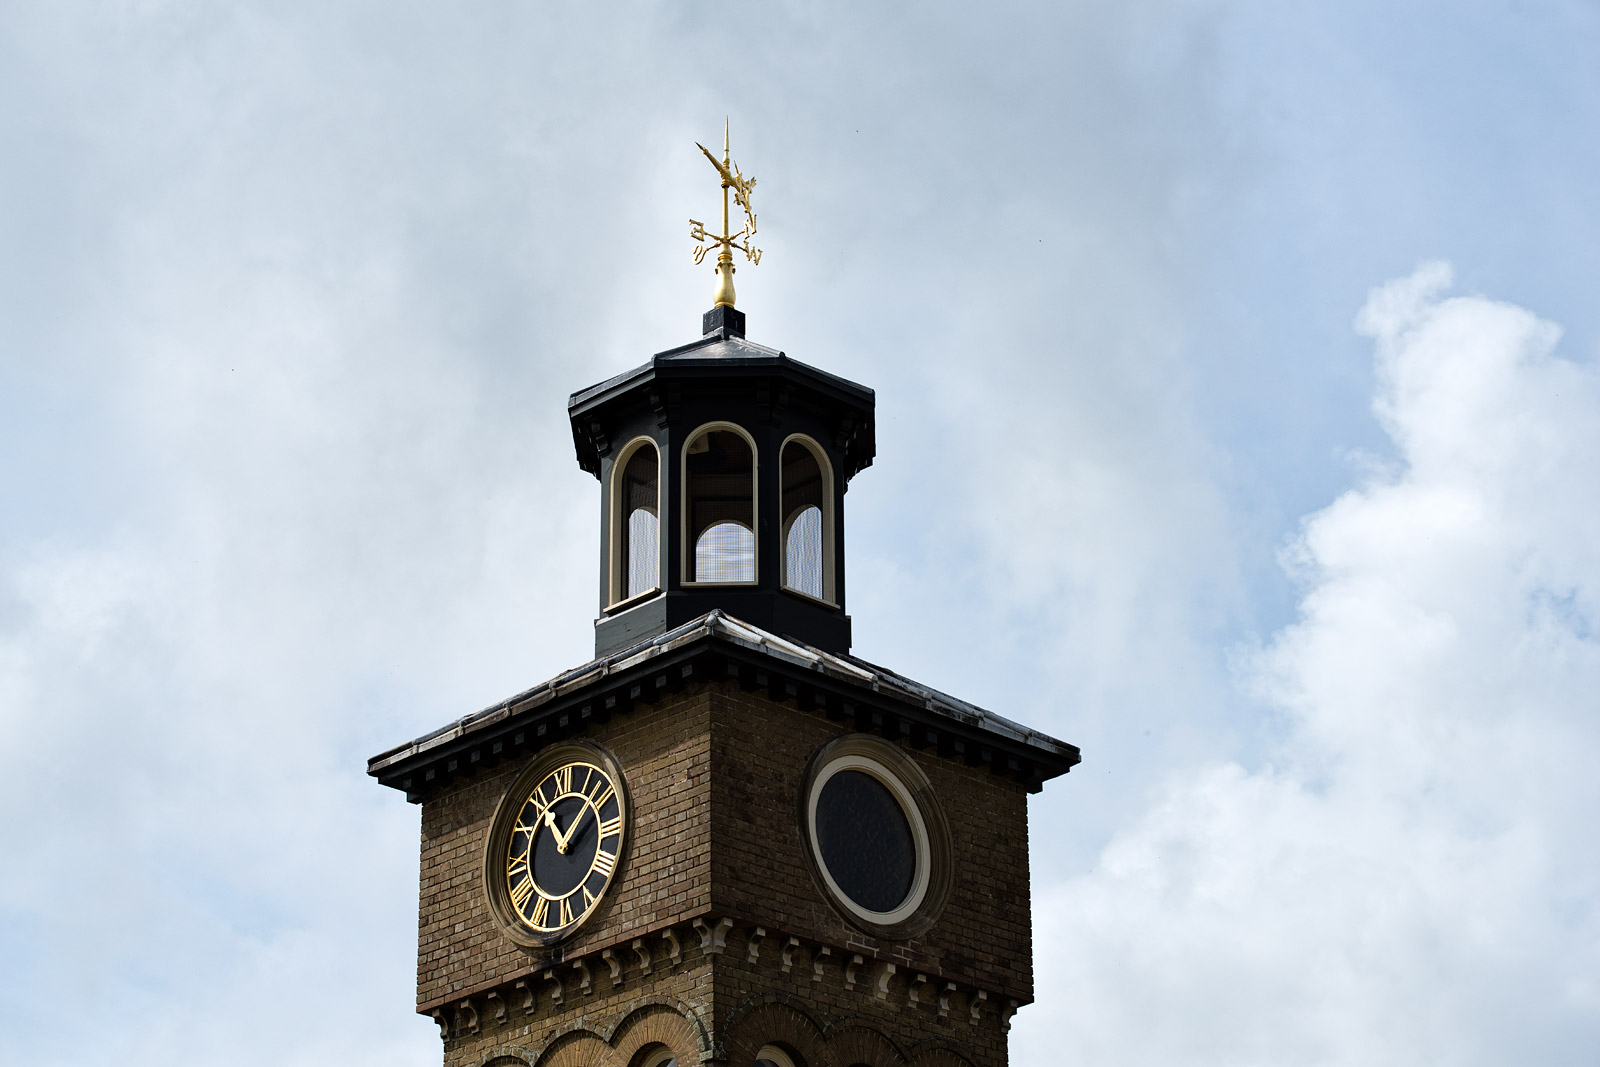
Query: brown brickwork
x=759 y=869
x=716 y=939
x=664 y=751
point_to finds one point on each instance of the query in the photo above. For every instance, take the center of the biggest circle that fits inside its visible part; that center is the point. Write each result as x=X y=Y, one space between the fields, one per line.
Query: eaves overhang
x=719 y=359
x=717 y=647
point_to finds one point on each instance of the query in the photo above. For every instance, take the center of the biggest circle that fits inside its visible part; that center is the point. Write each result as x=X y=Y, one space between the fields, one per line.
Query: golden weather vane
x=726 y=241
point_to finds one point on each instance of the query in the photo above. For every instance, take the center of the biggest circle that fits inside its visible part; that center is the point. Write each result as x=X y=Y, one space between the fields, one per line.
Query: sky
x=1238 y=377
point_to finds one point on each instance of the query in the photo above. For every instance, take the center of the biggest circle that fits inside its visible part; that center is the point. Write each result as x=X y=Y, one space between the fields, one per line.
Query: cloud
x=292 y=295
x=1410 y=877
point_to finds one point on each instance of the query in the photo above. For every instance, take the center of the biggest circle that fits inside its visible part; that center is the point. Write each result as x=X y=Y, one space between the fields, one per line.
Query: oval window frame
x=930 y=832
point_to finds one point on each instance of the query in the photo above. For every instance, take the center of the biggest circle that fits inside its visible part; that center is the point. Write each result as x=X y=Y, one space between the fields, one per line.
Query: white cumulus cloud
x=1410 y=876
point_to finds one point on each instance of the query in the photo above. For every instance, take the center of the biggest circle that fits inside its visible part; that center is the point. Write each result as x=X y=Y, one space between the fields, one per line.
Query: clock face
x=563 y=847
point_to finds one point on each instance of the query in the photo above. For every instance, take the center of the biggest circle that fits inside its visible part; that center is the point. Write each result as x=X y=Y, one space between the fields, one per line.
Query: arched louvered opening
x=719 y=507
x=807 y=525
x=636 y=518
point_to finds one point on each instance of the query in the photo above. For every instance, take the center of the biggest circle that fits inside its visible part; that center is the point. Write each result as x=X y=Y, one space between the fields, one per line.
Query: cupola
x=723 y=466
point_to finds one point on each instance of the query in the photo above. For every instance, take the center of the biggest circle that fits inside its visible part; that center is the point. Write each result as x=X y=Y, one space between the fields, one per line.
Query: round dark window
x=865 y=841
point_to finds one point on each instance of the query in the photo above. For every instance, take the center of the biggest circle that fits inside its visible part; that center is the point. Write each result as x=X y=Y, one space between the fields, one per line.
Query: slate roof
x=724 y=359
x=876 y=698
x=715 y=351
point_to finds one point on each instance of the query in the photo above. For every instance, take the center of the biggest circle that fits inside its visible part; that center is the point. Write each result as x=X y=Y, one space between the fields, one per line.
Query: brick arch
x=580 y=1048
x=776 y=1020
x=855 y=1043
x=662 y=1022
x=937 y=1055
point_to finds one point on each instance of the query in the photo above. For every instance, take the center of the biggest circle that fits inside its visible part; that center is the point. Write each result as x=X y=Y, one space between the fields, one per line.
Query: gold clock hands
x=573 y=829
x=564 y=840
x=555 y=831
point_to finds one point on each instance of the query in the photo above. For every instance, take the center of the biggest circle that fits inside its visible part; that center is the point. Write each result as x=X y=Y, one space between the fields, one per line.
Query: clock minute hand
x=573 y=829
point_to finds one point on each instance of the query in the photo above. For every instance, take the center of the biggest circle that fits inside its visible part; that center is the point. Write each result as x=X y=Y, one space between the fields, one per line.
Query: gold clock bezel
x=505 y=818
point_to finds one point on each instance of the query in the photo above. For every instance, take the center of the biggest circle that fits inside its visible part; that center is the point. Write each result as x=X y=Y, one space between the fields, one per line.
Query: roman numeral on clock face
x=563 y=778
x=566 y=910
x=521 y=892
x=604 y=862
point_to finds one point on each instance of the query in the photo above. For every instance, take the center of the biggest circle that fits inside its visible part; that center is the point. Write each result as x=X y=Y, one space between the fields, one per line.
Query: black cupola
x=723 y=466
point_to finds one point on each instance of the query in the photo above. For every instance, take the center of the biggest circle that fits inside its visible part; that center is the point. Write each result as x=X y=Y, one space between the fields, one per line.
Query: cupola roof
x=726 y=355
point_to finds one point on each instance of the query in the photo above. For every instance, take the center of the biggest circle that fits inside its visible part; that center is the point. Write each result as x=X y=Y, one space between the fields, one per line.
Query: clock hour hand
x=555 y=831
x=564 y=840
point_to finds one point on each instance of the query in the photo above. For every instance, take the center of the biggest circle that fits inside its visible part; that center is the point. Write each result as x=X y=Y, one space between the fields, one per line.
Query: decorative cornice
x=549 y=993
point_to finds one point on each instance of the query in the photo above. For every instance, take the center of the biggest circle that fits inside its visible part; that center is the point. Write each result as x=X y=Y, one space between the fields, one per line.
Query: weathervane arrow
x=725 y=242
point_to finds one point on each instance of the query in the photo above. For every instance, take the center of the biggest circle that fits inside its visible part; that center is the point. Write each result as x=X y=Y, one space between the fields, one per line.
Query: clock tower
x=725 y=839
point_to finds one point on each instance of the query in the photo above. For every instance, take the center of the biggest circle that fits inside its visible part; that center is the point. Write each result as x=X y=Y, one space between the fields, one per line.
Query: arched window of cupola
x=719 y=466
x=807 y=521
x=636 y=521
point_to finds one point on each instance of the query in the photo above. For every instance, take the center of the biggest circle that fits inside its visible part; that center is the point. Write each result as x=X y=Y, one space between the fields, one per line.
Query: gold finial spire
x=726 y=241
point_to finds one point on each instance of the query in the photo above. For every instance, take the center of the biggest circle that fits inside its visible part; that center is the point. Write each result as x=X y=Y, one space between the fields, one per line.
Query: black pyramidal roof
x=724 y=353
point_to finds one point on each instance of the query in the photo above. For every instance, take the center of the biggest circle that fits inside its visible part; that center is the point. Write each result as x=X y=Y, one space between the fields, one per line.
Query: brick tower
x=725 y=839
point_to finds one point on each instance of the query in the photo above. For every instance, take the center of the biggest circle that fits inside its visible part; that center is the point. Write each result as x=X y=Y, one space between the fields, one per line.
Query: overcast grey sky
x=1239 y=420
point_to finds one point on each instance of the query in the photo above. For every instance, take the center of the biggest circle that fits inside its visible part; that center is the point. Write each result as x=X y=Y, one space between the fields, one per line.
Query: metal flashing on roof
x=844 y=686
x=714 y=351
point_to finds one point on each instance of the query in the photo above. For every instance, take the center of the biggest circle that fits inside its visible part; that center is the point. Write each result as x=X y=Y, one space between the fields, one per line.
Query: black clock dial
x=865 y=841
x=559 y=873
x=563 y=849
